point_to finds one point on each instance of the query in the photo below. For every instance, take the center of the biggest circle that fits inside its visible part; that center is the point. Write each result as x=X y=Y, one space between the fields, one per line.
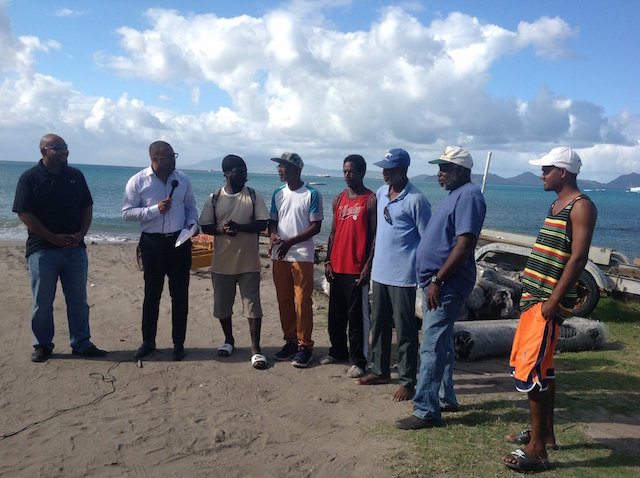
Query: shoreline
x=617 y=223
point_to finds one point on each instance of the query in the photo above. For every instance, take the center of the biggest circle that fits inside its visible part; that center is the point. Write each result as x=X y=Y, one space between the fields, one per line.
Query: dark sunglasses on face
x=167 y=156
x=387 y=216
x=446 y=168
x=57 y=147
x=238 y=170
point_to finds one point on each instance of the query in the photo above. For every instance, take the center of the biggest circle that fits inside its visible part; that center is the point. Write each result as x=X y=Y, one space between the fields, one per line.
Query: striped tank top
x=547 y=260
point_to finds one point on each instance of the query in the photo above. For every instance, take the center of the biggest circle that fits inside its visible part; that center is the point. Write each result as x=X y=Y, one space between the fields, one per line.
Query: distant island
x=529 y=179
x=259 y=165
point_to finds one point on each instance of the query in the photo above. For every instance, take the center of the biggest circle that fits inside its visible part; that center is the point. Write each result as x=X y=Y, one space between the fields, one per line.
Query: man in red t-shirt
x=348 y=267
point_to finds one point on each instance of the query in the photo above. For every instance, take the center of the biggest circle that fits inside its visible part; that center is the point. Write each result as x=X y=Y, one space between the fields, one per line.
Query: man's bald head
x=50 y=139
x=159 y=146
x=54 y=151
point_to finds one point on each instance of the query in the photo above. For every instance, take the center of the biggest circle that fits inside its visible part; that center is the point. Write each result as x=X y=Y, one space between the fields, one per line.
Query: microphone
x=174 y=185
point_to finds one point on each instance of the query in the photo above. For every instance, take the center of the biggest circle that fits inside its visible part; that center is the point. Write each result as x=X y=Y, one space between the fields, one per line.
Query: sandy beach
x=204 y=416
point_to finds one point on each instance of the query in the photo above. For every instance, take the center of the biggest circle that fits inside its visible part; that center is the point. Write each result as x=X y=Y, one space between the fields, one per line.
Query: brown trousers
x=294 y=286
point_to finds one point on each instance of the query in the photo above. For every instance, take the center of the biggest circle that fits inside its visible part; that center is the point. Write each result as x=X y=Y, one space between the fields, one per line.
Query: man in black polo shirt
x=53 y=201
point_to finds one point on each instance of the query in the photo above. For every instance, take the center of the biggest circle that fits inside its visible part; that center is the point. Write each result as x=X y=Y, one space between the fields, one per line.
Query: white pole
x=486 y=171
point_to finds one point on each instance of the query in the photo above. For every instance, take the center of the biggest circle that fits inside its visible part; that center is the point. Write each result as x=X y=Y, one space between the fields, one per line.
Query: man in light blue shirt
x=402 y=216
x=161 y=199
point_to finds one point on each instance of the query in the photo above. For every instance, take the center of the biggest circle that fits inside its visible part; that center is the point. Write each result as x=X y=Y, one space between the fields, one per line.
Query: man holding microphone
x=161 y=199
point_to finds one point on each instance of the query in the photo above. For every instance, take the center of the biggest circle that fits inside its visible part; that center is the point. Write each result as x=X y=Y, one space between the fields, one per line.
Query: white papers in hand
x=186 y=234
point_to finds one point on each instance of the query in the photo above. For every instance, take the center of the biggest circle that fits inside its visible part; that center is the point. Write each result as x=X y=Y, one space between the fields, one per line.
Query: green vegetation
x=594 y=387
x=606 y=379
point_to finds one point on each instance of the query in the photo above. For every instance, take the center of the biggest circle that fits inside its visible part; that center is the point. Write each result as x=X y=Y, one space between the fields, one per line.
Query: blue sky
x=324 y=78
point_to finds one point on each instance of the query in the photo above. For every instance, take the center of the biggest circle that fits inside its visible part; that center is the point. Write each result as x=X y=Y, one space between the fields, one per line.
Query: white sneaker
x=355 y=372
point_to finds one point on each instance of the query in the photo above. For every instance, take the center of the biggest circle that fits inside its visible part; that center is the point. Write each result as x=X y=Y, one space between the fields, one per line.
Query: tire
x=588 y=295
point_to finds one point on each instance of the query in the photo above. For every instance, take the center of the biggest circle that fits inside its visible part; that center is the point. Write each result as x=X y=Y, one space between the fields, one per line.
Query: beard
x=454 y=179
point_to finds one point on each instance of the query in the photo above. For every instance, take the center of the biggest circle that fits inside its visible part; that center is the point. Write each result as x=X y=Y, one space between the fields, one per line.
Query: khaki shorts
x=224 y=294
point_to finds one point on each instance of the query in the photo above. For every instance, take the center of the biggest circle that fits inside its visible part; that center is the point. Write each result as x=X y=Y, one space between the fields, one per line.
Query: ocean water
x=519 y=209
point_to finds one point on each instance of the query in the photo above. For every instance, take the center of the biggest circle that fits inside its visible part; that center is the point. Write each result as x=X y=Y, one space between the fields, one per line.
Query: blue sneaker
x=286 y=352
x=302 y=358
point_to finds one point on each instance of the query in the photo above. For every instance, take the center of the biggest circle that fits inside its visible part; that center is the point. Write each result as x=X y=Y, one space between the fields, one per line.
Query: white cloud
x=547 y=36
x=303 y=85
x=195 y=95
x=68 y=13
x=609 y=160
x=17 y=53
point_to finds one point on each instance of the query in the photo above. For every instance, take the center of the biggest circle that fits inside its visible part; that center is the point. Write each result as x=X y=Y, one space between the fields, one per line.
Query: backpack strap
x=252 y=195
x=214 y=200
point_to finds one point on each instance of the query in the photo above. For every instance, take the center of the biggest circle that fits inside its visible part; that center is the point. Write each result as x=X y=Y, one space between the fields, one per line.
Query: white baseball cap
x=560 y=157
x=455 y=155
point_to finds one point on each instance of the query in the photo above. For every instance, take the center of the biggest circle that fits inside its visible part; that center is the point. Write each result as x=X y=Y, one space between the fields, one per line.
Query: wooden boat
x=201 y=251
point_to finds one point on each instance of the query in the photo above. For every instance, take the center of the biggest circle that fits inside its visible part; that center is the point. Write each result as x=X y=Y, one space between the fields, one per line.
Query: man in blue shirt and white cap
x=402 y=216
x=446 y=271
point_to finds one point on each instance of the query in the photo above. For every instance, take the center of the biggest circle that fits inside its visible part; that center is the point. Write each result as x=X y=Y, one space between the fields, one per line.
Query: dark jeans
x=349 y=306
x=391 y=306
x=160 y=258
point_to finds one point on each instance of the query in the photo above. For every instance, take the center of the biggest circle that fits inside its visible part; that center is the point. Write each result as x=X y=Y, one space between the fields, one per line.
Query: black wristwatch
x=435 y=280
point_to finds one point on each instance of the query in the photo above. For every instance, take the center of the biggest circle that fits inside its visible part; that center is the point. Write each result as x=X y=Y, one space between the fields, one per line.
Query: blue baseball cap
x=395 y=158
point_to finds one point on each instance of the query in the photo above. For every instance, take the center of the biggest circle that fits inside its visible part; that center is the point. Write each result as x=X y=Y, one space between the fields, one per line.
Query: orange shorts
x=531 y=359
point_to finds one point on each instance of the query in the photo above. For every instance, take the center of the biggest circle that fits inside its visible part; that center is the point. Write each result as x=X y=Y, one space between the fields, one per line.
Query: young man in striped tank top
x=548 y=296
x=348 y=267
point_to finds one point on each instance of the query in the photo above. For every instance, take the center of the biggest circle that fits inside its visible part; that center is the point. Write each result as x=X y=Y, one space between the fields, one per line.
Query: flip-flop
x=225 y=350
x=259 y=361
x=526 y=464
x=521 y=438
x=524 y=437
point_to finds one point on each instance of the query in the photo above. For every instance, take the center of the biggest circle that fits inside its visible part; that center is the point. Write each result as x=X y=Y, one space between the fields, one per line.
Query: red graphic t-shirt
x=349 y=251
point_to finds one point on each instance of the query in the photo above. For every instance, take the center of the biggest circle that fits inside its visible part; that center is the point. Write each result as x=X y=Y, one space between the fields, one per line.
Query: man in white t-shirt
x=296 y=216
x=235 y=215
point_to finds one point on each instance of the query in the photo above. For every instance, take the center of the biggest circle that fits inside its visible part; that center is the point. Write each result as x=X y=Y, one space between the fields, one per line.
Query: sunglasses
x=57 y=147
x=447 y=168
x=166 y=156
x=387 y=216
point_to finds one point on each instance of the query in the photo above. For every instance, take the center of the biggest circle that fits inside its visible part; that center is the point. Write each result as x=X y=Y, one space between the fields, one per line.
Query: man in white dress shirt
x=161 y=199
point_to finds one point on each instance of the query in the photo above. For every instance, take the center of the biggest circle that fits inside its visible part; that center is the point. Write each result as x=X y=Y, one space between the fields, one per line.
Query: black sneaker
x=302 y=358
x=40 y=354
x=445 y=407
x=92 y=351
x=178 y=352
x=286 y=352
x=415 y=423
x=147 y=348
